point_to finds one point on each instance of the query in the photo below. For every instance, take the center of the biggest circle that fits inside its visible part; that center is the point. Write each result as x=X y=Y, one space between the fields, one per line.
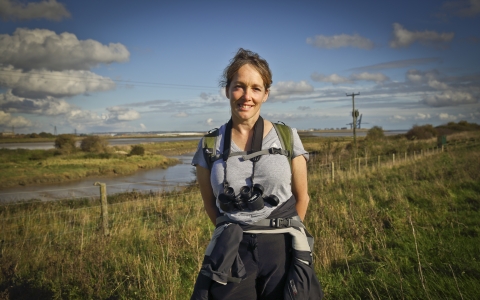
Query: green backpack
x=284 y=133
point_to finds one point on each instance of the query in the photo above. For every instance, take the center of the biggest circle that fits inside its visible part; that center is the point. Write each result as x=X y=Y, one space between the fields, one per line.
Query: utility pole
x=355 y=116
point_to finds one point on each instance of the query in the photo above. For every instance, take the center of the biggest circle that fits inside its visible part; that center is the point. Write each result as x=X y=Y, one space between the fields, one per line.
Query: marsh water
x=153 y=180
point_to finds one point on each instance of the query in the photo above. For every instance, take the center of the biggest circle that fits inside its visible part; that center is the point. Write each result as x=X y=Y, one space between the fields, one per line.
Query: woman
x=250 y=187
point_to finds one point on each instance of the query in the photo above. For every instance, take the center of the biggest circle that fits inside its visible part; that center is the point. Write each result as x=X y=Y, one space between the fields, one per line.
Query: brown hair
x=242 y=58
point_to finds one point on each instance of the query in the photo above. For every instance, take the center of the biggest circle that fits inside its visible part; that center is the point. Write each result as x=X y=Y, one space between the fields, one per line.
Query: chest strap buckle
x=280 y=222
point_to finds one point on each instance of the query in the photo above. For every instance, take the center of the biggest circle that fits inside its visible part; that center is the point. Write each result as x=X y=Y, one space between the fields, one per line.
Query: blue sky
x=110 y=66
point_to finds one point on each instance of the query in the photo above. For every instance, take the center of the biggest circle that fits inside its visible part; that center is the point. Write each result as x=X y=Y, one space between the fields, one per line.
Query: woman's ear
x=226 y=92
x=265 y=97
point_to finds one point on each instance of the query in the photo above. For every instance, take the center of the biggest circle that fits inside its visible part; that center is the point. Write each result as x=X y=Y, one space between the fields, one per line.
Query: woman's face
x=246 y=93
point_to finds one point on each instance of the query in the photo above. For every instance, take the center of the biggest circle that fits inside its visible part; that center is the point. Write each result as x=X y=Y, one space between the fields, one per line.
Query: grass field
x=408 y=230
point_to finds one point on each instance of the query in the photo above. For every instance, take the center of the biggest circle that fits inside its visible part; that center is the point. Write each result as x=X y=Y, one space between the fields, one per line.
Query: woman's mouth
x=244 y=106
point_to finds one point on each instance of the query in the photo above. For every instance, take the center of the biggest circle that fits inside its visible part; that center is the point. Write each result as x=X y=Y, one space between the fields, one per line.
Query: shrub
x=423 y=132
x=137 y=150
x=94 y=144
x=65 y=143
x=452 y=127
x=375 y=133
x=44 y=134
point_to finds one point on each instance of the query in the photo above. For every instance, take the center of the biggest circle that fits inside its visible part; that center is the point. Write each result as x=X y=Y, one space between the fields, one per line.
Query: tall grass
x=403 y=231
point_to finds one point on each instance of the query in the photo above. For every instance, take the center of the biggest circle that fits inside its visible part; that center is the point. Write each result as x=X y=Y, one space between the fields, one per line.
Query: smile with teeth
x=244 y=106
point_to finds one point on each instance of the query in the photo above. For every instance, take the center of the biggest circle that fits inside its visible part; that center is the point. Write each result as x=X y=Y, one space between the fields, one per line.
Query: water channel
x=154 y=180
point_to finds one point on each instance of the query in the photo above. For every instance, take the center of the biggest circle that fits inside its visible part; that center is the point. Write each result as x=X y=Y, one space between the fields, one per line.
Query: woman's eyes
x=258 y=89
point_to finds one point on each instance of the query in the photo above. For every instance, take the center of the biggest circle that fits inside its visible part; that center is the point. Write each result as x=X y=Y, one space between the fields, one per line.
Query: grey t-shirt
x=271 y=171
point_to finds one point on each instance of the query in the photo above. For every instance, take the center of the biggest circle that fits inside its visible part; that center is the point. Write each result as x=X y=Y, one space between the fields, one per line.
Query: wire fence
x=22 y=224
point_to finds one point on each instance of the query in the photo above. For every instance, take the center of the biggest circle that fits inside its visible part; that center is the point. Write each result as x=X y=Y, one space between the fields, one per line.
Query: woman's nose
x=247 y=94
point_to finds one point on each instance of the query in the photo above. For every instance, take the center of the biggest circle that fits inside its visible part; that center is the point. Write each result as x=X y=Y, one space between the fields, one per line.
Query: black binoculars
x=250 y=198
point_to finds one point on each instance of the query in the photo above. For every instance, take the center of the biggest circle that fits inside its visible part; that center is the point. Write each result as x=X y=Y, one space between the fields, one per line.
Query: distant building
x=7 y=133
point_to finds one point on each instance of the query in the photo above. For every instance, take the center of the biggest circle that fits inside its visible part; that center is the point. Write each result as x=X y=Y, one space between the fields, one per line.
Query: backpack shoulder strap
x=209 y=146
x=285 y=134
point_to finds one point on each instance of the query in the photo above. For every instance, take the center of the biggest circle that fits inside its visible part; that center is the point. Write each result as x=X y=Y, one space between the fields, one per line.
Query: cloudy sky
x=98 y=66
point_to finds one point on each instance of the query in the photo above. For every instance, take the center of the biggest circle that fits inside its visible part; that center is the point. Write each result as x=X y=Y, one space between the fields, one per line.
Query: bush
x=423 y=132
x=44 y=134
x=65 y=143
x=452 y=127
x=375 y=133
x=94 y=144
x=137 y=150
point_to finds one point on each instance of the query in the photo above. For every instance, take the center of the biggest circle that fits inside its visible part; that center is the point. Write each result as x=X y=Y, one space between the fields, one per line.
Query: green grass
x=403 y=231
x=410 y=232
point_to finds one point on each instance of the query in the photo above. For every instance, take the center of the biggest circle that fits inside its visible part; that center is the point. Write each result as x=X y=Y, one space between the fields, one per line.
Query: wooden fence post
x=103 y=199
x=333 y=171
x=405 y=156
x=393 y=158
x=378 y=161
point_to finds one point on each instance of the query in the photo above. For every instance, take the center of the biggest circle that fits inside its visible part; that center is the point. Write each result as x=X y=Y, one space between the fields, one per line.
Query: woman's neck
x=242 y=132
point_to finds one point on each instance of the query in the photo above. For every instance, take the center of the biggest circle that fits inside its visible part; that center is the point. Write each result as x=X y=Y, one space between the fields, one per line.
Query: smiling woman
x=259 y=204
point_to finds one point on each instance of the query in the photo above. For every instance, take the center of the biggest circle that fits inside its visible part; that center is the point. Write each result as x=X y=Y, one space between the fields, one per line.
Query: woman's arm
x=203 y=178
x=300 y=185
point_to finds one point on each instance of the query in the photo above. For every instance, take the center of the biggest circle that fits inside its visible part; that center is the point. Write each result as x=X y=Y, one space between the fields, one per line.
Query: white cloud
x=338 y=41
x=377 y=77
x=285 y=89
x=118 y=113
x=39 y=84
x=214 y=98
x=48 y=106
x=7 y=120
x=450 y=98
x=44 y=49
x=304 y=108
x=15 y=10
x=417 y=76
x=420 y=116
x=404 y=38
x=447 y=117
x=337 y=79
x=143 y=126
x=435 y=84
x=428 y=77
x=333 y=78
x=181 y=114
x=209 y=121
x=398 y=118
x=414 y=76
x=475 y=115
